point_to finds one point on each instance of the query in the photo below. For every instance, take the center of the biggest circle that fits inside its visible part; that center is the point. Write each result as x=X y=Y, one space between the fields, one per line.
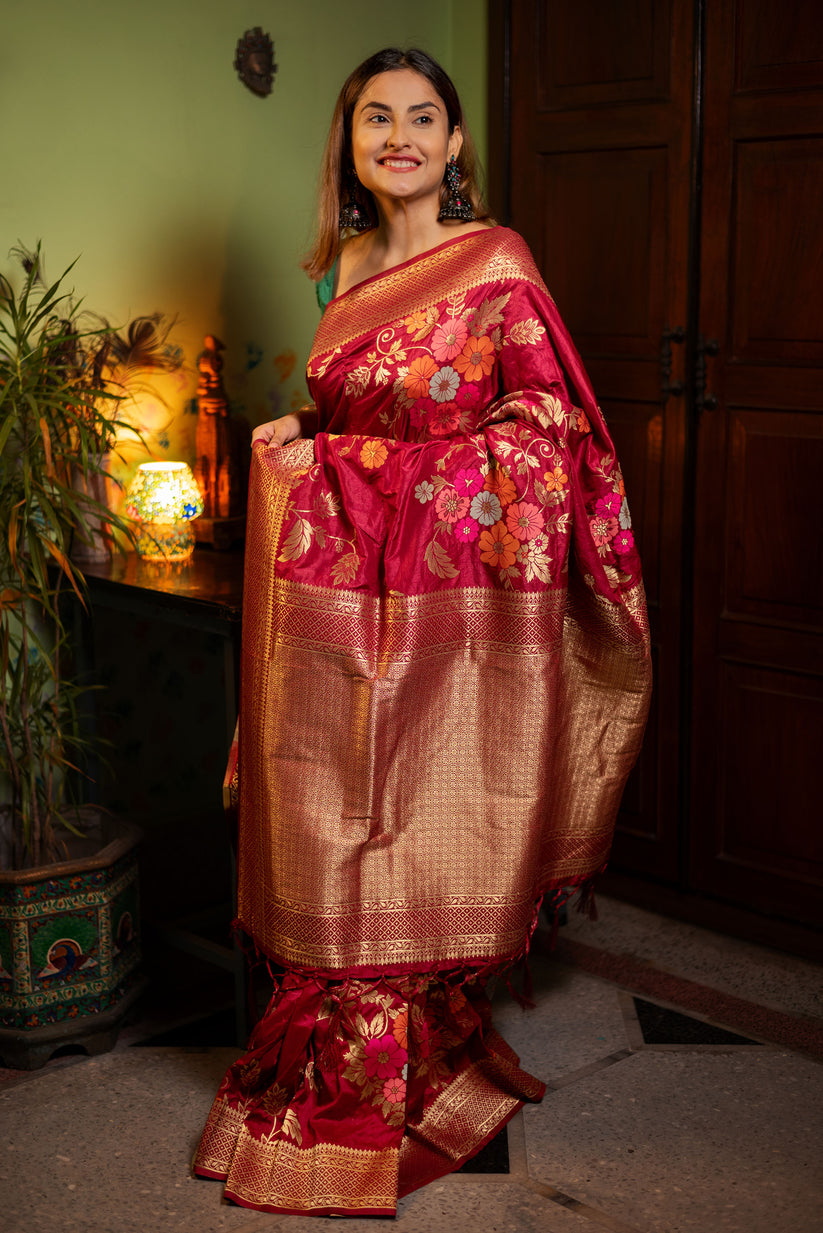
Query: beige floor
x=631 y=1137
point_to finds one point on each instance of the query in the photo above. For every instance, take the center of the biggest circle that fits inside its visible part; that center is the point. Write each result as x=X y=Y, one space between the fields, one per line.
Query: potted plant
x=69 y=931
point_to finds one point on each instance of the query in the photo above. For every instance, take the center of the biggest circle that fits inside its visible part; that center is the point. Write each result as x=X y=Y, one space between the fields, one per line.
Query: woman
x=445 y=673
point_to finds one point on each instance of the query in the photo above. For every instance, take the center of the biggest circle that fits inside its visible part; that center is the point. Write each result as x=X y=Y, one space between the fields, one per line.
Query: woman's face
x=400 y=137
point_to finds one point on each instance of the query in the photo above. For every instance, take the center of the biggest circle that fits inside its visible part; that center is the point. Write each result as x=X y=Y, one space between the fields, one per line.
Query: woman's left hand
x=278 y=432
x=292 y=427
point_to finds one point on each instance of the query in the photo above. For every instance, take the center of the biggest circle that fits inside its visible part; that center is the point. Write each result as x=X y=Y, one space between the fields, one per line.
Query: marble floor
x=685 y=1092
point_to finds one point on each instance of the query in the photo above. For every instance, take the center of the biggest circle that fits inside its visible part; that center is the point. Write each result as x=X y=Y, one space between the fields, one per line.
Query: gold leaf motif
x=357 y=380
x=555 y=409
x=297 y=541
x=439 y=561
x=526 y=332
x=558 y=524
x=344 y=569
x=291 y=1127
x=536 y=564
x=487 y=314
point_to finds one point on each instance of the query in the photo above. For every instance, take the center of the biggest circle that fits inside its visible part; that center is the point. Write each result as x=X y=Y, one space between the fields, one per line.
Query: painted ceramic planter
x=70 y=946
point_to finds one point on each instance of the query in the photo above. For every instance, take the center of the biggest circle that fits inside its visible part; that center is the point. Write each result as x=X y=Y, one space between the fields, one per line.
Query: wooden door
x=757 y=818
x=601 y=104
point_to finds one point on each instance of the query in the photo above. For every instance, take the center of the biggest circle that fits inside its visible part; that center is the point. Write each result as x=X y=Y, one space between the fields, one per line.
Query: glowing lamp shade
x=163 y=499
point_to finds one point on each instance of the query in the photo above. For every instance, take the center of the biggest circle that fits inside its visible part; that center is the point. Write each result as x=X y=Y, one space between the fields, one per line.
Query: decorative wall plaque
x=254 y=61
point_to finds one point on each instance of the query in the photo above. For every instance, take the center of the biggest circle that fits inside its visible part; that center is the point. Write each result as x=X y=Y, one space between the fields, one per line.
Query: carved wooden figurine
x=221 y=444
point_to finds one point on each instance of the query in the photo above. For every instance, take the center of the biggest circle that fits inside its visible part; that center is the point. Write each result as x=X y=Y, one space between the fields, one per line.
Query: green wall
x=127 y=139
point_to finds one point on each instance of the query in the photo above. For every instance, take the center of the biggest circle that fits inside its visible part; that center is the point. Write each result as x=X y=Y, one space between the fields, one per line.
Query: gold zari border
x=275 y=1173
x=418 y=285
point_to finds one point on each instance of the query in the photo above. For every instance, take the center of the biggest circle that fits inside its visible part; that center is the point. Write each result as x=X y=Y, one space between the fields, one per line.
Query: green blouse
x=325 y=288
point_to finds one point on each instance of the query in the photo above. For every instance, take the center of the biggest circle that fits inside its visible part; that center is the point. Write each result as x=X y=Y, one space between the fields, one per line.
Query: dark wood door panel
x=586 y=59
x=774 y=546
x=765 y=847
x=779 y=46
x=602 y=242
x=775 y=297
x=758 y=651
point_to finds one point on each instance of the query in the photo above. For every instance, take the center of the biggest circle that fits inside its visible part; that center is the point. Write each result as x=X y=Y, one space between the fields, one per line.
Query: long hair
x=337 y=180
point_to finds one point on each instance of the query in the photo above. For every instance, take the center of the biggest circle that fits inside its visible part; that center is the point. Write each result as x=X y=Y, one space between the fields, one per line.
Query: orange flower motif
x=415 y=322
x=497 y=546
x=373 y=454
x=583 y=424
x=556 y=479
x=499 y=482
x=476 y=360
x=419 y=375
x=400 y=1029
x=524 y=520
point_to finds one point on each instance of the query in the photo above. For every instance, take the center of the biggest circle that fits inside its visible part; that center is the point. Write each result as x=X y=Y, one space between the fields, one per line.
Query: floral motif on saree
x=445 y=683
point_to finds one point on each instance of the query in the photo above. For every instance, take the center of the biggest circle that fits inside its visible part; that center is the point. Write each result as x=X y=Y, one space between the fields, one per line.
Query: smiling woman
x=424 y=85
x=445 y=675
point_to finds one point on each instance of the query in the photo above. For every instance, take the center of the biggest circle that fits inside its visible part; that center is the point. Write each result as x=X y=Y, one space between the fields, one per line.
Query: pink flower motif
x=486 y=508
x=421 y=409
x=450 y=505
x=383 y=1057
x=394 y=1091
x=468 y=481
x=467 y=530
x=623 y=543
x=466 y=397
x=444 y=419
x=524 y=520
x=444 y=384
x=603 y=529
x=448 y=339
x=609 y=507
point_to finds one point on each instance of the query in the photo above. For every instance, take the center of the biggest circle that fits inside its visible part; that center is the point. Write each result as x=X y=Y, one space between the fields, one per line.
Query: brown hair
x=337 y=157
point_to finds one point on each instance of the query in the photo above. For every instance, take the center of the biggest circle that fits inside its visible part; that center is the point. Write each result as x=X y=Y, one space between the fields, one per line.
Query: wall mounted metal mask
x=254 y=61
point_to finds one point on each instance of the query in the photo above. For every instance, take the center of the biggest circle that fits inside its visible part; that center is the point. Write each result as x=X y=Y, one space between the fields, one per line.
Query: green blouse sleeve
x=325 y=288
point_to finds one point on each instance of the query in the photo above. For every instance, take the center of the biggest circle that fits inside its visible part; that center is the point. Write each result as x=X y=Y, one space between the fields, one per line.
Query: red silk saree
x=445 y=684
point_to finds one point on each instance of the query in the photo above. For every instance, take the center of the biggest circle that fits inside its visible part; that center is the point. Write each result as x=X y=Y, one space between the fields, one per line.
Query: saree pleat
x=445 y=680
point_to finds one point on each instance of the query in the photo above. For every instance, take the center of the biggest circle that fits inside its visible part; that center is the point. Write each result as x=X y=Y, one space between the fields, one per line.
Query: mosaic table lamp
x=163 y=499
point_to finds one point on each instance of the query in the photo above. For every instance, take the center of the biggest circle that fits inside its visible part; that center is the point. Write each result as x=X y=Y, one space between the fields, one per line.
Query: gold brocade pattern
x=416 y=286
x=472 y=1106
x=276 y=1174
x=361 y=862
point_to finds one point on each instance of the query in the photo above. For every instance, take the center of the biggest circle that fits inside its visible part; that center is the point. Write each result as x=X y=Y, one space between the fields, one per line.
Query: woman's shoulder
x=509 y=254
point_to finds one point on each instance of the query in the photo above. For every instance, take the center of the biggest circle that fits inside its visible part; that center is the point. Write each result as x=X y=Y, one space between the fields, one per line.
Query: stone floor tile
x=576 y=1021
x=458 y=1205
x=104 y=1147
x=755 y=973
x=678 y=1142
